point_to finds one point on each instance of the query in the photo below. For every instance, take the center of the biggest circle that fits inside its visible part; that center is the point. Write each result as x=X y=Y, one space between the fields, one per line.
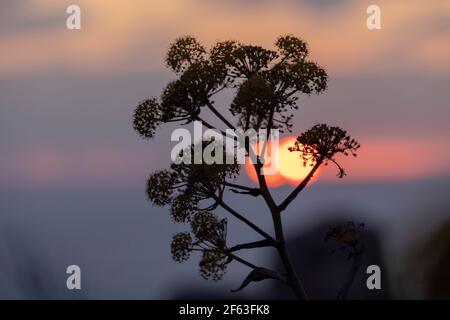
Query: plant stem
x=300 y=187
x=252 y=245
x=243 y=261
x=219 y=115
x=242 y=218
x=238 y=186
x=294 y=281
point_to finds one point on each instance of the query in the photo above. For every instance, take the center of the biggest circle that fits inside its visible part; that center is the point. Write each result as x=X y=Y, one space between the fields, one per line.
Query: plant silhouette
x=267 y=85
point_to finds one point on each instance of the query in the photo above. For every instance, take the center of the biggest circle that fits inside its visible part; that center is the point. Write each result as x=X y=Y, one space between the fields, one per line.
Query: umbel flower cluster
x=208 y=235
x=322 y=143
x=348 y=236
x=266 y=85
x=184 y=187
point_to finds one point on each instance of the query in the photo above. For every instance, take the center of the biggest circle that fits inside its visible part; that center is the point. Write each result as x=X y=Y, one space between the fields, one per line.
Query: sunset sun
x=290 y=165
x=290 y=169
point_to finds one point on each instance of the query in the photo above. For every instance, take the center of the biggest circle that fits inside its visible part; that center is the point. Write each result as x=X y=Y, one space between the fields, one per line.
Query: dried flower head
x=183 y=52
x=322 y=143
x=203 y=180
x=253 y=102
x=292 y=48
x=221 y=54
x=213 y=265
x=349 y=236
x=183 y=207
x=178 y=103
x=160 y=187
x=181 y=246
x=208 y=228
x=147 y=117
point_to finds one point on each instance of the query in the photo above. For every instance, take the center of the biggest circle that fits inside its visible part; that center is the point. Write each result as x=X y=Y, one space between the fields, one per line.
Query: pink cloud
x=395 y=159
x=47 y=167
x=134 y=35
x=378 y=160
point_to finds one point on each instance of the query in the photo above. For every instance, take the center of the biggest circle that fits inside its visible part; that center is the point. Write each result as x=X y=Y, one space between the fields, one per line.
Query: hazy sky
x=67 y=97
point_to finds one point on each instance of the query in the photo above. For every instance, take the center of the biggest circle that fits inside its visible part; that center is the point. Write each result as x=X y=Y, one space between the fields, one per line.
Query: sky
x=73 y=171
x=67 y=97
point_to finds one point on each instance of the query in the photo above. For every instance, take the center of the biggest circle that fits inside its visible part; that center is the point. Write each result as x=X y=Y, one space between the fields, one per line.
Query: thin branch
x=269 y=273
x=251 y=245
x=253 y=193
x=230 y=255
x=247 y=190
x=264 y=272
x=241 y=260
x=219 y=115
x=300 y=187
x=210 y=126
x=217 y=91
x=242 y=218
x=356 y=263
x=238 y=186
x=224 y=133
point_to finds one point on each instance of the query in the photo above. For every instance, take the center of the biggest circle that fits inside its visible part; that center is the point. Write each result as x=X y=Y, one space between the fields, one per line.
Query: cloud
x=378 y=160
x=60 y=130
x=49 y=167
x=134 y=35
x=67 y=97
x=395 y=159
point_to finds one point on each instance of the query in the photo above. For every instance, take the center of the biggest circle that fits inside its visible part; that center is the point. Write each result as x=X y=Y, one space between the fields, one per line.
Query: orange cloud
x=134 y=35
x=379 y=160
x=395 y=159
x=43 y=167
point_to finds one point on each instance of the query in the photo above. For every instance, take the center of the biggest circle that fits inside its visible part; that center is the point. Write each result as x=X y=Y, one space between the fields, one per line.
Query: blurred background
x=73 y=172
